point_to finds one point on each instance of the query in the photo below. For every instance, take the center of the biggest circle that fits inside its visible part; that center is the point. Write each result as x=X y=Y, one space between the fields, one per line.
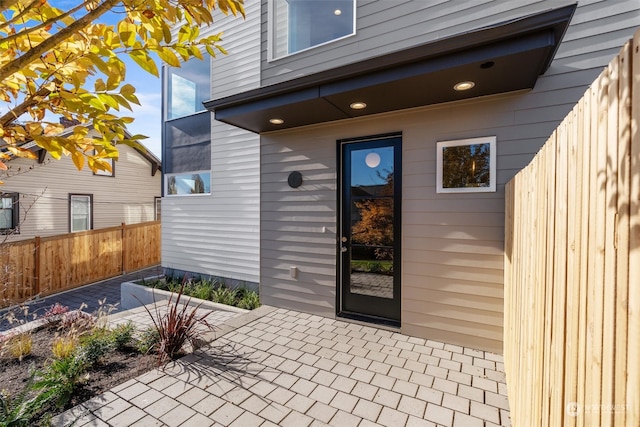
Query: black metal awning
x=500 y=58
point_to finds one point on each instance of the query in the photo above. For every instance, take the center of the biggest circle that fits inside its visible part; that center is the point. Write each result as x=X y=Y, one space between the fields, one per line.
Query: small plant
x=55 y=310
x=20 y=345
x=95 y=345
x=148 y=340
x=249 y=300
x=177 y=326
x=64 y=346
x=56 y=383
x=122 y=334
x=203 y=289
x=78 y=321
x=17 y=410
x=224 y=295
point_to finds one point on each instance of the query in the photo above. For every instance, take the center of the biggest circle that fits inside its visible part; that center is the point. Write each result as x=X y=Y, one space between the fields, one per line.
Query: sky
x=148 y=118
x=147 y=115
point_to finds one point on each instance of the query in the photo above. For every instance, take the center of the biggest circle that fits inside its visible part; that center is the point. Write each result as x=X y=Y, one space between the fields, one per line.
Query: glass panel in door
x=370 y=229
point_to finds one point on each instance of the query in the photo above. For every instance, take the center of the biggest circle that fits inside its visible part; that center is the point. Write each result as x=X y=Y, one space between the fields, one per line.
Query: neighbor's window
x=9 y=216
x=466 y=165
x=301 y=24
x=80 y=212
x=106 y=172
x=187 y=87
x=158 y=208
x=180 y=184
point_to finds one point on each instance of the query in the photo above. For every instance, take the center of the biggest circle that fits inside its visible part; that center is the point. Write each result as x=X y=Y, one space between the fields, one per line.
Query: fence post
x=36 y=260
x=123 y=235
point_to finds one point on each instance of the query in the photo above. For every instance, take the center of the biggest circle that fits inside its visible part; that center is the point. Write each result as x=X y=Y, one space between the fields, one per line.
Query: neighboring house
x=386 y=133
x=46 y=197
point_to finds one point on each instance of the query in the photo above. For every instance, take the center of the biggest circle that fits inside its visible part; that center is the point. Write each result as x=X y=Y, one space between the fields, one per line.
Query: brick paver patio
x=277 y=367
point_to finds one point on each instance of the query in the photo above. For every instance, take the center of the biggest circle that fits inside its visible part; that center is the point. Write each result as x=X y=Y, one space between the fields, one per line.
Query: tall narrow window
x=158 y=205
x=9 y=215
x=303 y=24
x=80 y=212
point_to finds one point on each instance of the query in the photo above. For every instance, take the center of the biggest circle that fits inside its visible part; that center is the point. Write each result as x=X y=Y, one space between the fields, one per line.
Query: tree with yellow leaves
x=49 y=57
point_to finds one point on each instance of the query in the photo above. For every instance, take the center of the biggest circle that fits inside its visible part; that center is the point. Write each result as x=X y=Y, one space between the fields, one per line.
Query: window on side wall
x=298 y=25
x=9 y=214
x=158 y=208
x=111 y=164
x=466 y=165
x=80 y=212
x=188 y=183
x=187 y=88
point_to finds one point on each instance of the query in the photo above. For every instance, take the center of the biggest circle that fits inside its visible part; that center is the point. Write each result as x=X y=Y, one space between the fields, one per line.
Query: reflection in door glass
x=372 y=222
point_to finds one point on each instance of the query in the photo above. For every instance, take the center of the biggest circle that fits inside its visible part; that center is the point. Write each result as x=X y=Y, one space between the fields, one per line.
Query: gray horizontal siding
x=385 y=26
x=218 y=234
x=452 y=247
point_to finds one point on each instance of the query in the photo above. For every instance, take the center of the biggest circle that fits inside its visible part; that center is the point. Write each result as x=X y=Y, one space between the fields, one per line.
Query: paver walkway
x=105 y=292
x=280 y=367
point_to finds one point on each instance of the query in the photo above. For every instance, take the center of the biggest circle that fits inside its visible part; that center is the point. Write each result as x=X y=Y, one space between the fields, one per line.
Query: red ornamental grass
x=177 y=326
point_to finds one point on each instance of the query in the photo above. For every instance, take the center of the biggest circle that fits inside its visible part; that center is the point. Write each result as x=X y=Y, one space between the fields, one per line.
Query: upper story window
x=302 y=24
x=187 y=87
x=9 y=217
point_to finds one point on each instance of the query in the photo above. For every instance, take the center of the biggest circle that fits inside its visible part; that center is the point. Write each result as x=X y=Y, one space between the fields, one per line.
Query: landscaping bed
x=64 y=359
x=112 y=369
x=197 y=288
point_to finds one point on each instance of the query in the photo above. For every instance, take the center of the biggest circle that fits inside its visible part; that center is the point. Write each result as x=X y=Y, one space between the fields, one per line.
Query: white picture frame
x=462 y=167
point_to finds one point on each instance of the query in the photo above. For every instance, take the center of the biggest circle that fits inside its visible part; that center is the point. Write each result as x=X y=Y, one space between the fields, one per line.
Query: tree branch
x=50 y=21
x=19 y=15
x=53 y=41
x=24 y=106
x=6 y=4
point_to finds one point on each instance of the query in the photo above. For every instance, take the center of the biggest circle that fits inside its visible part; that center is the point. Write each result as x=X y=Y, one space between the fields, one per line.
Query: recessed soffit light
x=464 y=85
x=337 y=12
x=359 y=105
x=276 y=121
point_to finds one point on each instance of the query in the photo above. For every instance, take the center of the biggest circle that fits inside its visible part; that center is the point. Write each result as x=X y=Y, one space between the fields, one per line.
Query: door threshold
x=362 y=319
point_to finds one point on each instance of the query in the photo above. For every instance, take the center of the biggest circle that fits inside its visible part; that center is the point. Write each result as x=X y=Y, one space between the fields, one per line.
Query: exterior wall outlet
x=293 y=272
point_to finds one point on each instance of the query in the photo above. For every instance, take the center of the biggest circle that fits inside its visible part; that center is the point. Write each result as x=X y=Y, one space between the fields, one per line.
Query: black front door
x=369 y=246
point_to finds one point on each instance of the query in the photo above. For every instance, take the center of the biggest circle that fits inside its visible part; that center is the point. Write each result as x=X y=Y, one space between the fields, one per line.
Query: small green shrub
x=95 y=345
x=249 y=300
x=148 y=340
x=57 y=382
x=122 y=335
x=202 y=289
x=224 y=295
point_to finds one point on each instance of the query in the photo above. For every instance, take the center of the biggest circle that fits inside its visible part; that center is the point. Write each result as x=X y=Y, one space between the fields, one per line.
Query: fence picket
x=572 y=263
x=42 y=266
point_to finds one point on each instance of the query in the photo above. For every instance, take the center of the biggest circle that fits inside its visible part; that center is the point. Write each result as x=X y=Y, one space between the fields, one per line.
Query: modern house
x=47 y=197
x=358 y=150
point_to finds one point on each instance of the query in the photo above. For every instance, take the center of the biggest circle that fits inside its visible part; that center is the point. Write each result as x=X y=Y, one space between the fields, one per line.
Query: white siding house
x=381 y=188
x=53 y=197
x=215 y=233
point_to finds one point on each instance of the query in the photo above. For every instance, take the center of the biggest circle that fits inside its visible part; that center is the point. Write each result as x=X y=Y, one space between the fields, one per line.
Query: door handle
x=343 y=249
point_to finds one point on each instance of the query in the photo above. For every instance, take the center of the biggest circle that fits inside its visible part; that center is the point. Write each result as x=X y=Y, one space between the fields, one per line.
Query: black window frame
x=15 y=213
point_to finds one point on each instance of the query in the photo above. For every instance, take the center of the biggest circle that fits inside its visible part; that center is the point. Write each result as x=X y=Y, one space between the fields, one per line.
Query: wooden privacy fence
x=46 y=265
x=572 y=263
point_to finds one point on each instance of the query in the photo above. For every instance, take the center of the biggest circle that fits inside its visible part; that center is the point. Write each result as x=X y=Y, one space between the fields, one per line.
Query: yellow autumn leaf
x=78 y=159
